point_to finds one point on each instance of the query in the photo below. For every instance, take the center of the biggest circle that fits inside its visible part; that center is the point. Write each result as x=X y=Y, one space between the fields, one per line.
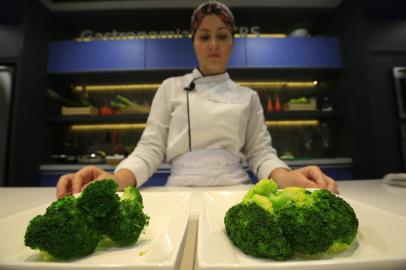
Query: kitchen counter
x=372 y=192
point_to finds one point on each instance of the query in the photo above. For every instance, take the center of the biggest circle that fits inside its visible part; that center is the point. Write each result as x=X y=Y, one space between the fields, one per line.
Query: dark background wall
x=27 y=136
x=372 y=41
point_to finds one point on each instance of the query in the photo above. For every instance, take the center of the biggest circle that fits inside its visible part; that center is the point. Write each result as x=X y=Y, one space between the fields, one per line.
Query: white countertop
x=372 y=192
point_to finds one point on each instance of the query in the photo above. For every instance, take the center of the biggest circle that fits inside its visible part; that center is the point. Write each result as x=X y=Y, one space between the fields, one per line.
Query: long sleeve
x=151 y=148
x=261 y=156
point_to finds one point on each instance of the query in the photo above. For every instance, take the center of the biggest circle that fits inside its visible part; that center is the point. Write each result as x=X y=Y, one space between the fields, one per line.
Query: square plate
x=157 y=248
x=380 y=243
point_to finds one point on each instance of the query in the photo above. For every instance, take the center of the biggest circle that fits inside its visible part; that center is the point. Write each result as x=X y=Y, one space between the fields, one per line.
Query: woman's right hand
x=76 y=182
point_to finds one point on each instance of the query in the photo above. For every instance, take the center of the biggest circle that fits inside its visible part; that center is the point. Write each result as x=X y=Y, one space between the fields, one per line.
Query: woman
x=204 y=124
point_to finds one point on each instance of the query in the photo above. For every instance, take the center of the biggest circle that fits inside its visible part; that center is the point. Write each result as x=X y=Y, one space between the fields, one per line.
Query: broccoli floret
x=64 y=231
x=125 y=223
x=132 y=193
x=99 y=198
x=340 y=217
x=310 y=222
x=264 y=187
x=67 y=204
x=253 y=227
x=315 y=222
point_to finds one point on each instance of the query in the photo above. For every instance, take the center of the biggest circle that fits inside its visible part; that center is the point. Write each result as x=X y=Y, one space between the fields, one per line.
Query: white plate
x=380 y=243
x=157 y=248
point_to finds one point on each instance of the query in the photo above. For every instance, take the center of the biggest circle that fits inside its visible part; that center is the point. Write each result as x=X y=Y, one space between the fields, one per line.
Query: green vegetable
x=301 y=100
x=81 y=102
x=126 y=101
x=117 y=105
x=99 y=198
x=64 y=232
x=298 y=221
x=126 y=222
x=73 y=227
x=254 y=228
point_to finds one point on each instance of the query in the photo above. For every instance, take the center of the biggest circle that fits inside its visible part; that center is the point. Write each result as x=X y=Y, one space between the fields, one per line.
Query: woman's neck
x=207 y=73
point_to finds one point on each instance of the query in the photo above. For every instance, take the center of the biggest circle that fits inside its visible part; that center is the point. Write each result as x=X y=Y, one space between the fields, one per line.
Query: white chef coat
x=223 y=115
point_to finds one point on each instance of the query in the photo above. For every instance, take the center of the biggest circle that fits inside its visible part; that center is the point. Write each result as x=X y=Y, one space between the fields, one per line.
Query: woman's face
x=213 y=43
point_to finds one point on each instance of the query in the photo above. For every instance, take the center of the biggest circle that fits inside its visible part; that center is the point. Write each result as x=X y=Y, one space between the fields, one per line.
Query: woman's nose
x=213 y=43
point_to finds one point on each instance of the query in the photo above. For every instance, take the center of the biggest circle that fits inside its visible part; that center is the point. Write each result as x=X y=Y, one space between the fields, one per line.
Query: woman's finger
x=301 y=180
x=332 y=185
x=84 y=176
x=315 y=174
x=64 y=185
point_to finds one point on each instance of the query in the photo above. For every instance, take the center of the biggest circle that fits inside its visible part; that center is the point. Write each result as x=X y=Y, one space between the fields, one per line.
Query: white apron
x=209 y=167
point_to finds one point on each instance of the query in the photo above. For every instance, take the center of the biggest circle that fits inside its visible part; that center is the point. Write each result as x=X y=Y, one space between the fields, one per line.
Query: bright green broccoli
x=73 y=227
x=99 y=198
x=126 y=222
x=64 y=231
x=263 y=188
x=311 y=222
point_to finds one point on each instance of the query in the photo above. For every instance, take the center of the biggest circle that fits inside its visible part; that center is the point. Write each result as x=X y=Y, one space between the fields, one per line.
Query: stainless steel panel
x=6 y=78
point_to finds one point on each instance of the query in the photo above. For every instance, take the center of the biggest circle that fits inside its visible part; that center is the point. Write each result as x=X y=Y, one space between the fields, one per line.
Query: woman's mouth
x=214 y=55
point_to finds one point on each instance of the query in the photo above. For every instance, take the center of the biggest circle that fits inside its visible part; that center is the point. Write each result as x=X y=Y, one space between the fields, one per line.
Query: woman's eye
x=204 y=38
x=222 y=37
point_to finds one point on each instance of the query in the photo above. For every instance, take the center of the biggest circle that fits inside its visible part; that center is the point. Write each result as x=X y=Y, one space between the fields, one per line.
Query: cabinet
x=293 y=77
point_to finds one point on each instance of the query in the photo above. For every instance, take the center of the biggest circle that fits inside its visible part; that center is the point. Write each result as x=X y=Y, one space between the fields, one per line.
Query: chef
x=204 y=124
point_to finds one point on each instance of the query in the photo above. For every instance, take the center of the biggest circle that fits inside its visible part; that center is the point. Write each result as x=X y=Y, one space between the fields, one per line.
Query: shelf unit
x=76 y=63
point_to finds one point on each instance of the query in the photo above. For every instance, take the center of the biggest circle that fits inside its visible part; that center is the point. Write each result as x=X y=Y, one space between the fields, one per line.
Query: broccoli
x=73 y=227
x=64 y=232
x=99 y=198
x=126 y=222
x=253 y=227
x=310 y=222
x=264 y=188
x=341 y=219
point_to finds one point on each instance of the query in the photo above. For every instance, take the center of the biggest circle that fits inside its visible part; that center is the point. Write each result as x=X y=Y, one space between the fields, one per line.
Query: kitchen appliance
x=403 y=143
x=399 y=75
x=6 y=79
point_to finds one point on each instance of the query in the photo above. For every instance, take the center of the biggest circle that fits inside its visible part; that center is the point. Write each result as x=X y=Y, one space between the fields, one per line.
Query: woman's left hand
x=308 y=177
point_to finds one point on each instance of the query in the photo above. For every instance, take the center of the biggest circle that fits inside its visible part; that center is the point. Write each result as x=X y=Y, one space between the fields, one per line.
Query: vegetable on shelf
x=80 y=102
x=78 y=106
x=301 y=104
x=106 y=110
x=124 y=106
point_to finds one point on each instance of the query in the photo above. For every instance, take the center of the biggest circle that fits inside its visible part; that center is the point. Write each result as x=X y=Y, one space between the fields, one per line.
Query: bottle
x=269 y=105
x=278 y=105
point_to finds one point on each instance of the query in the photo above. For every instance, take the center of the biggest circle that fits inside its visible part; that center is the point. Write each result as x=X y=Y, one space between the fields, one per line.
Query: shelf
x=301 y=115
x=87 y=119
